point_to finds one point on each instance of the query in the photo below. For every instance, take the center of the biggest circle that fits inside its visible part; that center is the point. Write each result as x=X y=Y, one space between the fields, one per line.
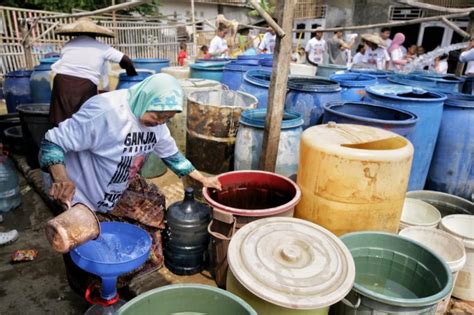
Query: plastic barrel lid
x=291 y=263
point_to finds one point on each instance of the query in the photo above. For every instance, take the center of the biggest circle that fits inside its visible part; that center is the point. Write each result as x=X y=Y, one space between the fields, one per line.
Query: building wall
x=183 y=9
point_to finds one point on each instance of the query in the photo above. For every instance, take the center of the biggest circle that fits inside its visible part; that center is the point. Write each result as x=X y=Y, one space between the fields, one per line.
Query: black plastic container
x=186 y=237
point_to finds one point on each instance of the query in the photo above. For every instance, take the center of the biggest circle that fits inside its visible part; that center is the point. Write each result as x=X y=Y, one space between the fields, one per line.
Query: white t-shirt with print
x=268 y=43
x=376 y=57
x=218 y=46
x=105 y=147
x=315 y=49
x=84 y=57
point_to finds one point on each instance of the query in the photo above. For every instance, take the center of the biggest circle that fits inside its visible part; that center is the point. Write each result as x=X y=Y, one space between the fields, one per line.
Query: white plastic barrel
x=419 y=213
x=445 y=245
x=180 y=73
x=302 y=69
x=461 y=226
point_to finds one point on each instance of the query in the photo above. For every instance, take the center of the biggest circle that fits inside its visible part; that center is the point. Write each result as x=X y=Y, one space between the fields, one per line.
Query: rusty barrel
x=212 y=124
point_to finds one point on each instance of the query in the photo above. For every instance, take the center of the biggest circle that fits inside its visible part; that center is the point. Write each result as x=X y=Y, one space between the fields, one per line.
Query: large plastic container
x=446 y=246
x=353 y=85
x=245 y=197
x=256 y=83
x=444 y=82
x=248 y=145
x=213 y=121
x=419 y=213
x=185 y=237
x=359 y=113
x=461 y=226
x=446 y=204
x=412 y=80
x=302 y=69
x=468 y=87
x=40 y=84
x=326 y=70
x=181 y=73
x=248 y=60
x=10 y=196
x=208 y=70
x=347 y=175
x=452 y=167
x=287 y=266
x=394 y=275
x=379 y=74
x=151 y=64
x=307 y=95
x=187 y=299
x=233 y=74
x=126 y=81
x=8 y=121
x=34 y=124
x=177 y=124
x=428 y=107
x=16 y=89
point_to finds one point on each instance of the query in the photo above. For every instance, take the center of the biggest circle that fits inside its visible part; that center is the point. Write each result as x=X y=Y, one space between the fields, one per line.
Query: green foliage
x=268 y=6
x=68 y=5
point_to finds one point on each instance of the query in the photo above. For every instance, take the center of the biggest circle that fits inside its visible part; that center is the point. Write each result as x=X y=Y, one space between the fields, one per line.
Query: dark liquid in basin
x=251 y=198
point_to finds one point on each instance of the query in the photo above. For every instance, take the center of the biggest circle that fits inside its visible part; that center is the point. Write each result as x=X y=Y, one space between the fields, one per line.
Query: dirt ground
x=39 y=286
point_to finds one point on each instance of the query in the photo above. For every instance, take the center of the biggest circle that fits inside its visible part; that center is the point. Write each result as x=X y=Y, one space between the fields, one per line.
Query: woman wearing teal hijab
x=94 y=157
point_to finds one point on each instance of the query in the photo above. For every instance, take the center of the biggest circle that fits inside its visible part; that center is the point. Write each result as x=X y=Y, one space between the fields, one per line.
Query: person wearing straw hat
x=82 y=63
x=94 y=158
x=375 y=54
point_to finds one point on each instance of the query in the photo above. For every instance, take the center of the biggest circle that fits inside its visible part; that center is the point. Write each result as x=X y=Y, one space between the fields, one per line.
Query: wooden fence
x=137 y=39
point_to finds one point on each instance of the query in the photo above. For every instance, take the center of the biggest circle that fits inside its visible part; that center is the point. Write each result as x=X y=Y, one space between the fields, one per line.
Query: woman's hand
x=62 y=189
x=211 y=182
x=63 y=192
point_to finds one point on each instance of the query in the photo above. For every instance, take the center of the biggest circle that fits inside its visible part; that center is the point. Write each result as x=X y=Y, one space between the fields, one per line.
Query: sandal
x=8 y=237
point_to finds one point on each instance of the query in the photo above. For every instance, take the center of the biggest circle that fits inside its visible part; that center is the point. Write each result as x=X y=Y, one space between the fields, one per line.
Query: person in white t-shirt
x=95 y=156
x=359 y=56
x=397 y=57
x=468 y=56
x=440 y=64
x=315 y=48
x=376 y=54
x=218 y=47
x=267 y=45
x=385 y=35
x=82 y=63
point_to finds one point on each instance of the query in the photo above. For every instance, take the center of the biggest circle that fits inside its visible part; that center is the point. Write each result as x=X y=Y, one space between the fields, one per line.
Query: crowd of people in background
x=378 y=51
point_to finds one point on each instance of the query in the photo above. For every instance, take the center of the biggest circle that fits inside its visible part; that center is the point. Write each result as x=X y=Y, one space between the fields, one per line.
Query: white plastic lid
x=418 y=212
x=291 y=263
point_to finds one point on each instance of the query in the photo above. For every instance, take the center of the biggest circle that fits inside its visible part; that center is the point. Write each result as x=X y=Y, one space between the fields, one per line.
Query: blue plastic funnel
x=120 y=248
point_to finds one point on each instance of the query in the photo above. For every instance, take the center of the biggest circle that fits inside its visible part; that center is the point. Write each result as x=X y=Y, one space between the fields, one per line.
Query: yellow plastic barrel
x=353 y=177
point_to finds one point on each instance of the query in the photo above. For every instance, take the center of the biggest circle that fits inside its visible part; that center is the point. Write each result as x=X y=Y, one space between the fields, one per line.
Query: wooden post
x=277 y=91
x=470 y=30
x=26 y=43
x=193 y=20
x=114 y=23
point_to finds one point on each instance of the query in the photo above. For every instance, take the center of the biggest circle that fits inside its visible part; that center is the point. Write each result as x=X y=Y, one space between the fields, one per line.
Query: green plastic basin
x=395 y=274
x=187 y=299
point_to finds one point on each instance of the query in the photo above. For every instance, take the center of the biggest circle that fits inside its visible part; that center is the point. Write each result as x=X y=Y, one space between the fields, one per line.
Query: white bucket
x=461 y=226
x=302 y=69
x=419 y=213
x=446 y=246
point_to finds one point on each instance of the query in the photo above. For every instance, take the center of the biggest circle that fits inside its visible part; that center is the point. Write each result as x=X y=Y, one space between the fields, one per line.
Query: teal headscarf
x=159 y=92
